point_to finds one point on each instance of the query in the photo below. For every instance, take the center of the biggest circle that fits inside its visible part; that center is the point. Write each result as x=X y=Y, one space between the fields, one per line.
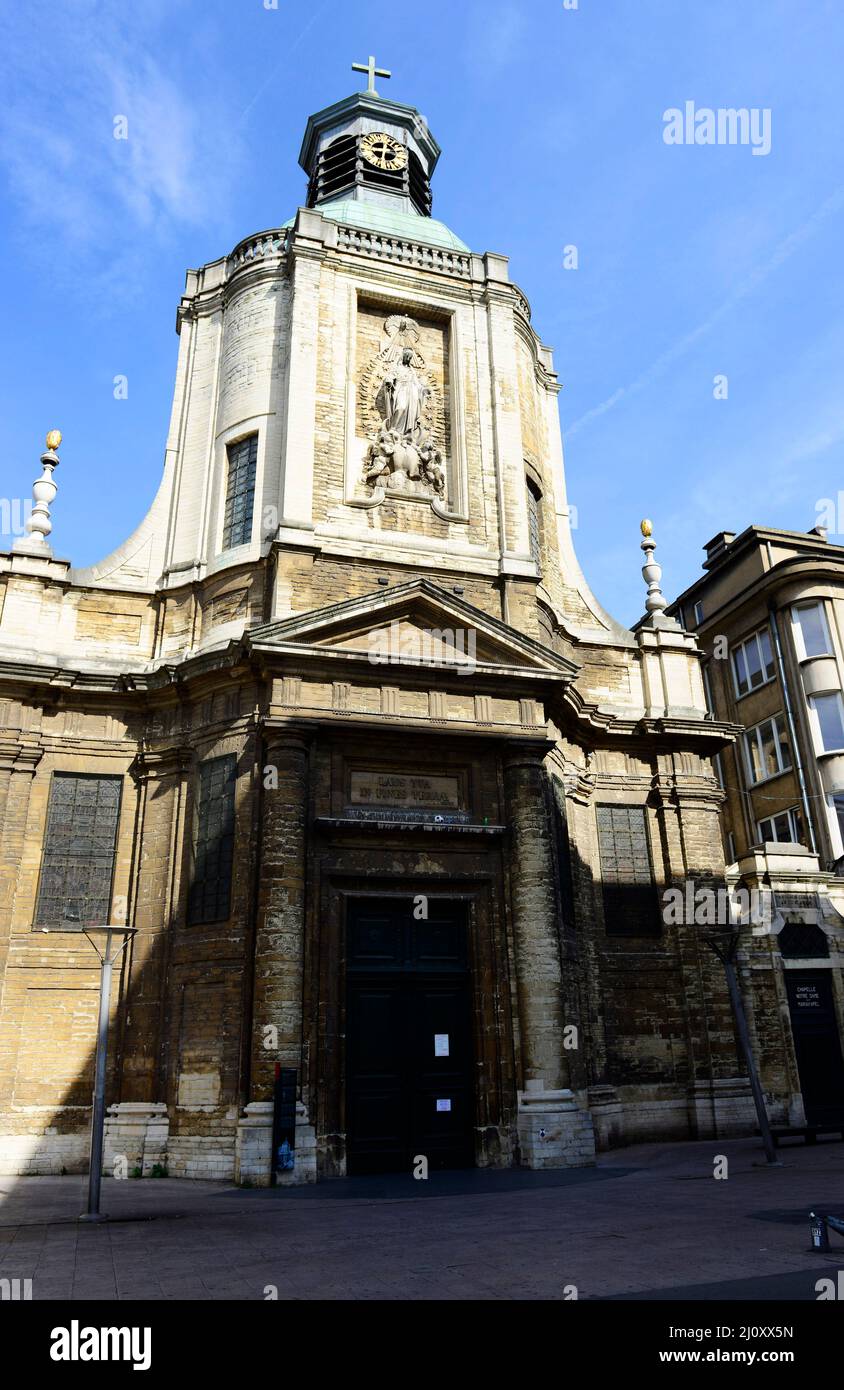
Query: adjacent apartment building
x=769 y=614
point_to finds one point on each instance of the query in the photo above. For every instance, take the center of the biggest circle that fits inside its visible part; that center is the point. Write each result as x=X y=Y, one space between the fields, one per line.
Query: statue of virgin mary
x=402 y=397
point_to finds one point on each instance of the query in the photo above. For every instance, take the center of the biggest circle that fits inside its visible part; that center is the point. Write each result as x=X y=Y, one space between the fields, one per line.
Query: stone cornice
x=679 y=789
x=19 y=756
x=151 y=763
x=716 y=734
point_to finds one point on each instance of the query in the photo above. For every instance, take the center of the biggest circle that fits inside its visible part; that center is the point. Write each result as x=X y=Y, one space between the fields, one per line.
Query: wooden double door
x=409 y=1063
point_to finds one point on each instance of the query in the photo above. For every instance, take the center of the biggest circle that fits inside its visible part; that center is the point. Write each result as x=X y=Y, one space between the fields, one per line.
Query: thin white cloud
x=786 y=248
x=66 y=76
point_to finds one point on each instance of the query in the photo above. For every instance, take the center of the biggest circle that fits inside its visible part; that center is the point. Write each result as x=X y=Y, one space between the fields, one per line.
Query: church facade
x=341 y=732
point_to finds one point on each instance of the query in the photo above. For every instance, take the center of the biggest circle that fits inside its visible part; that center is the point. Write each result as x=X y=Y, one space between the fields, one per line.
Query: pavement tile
x=656 y=1219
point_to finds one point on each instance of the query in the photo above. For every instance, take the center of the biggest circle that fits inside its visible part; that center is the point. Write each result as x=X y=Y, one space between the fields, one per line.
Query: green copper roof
x=373 y=217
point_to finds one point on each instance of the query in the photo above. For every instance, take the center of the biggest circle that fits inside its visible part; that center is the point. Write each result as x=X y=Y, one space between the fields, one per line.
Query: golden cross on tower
x=372 y=72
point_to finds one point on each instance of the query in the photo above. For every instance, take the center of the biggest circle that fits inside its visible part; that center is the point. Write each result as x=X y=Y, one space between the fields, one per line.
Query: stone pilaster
x=717 y=1094
x=279 y=957
x=161 y=781
x=553 y=1131
x=306 y=253
x=17 y=769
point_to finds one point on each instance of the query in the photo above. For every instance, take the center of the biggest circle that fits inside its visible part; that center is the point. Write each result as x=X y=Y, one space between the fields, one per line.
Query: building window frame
x=818 y=724
x=212 y=841
x=708 y=696
x=75 y=868
x=754 y=737
x=639 y=877
x=837 y=807
x=241 y=481
x=799 y=636
x=533 y=492
x=752 y=649
x=794 y=816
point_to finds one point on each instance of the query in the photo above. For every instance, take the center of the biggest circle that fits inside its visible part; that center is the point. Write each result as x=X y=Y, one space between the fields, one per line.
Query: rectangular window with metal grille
x=534 y=531
x=630 y=902
x=79 y=843
x=209 y=899
x=240 y=492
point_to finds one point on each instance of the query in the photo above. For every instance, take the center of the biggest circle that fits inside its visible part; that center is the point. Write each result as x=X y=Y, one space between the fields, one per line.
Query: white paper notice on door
x=443 y=1104
x=441 y=1044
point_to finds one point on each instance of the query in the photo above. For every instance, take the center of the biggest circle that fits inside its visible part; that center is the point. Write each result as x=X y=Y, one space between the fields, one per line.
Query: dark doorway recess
x=409 y=1091
x=817 y=1045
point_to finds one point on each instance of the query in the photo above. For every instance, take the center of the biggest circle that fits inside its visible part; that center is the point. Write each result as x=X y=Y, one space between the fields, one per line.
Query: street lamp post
x=725 y=945
x=108 y=956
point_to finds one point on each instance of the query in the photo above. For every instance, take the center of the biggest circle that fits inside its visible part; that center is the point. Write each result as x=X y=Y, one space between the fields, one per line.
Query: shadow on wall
x=179 y=1023
x=653 y=1021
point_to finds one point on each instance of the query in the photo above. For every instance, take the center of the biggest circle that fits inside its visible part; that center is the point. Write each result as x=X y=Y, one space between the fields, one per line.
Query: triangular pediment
x=416 y=624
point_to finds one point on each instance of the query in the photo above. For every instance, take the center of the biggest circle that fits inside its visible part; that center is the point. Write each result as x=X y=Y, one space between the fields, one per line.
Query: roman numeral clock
x=383 y=151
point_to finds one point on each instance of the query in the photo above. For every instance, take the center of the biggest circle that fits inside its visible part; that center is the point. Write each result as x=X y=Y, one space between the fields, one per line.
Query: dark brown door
x=817 y=1045
x=408 y=1037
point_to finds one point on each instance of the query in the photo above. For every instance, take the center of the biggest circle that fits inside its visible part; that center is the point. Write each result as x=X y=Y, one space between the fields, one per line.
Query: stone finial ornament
x=44 y=490
x=656 y=602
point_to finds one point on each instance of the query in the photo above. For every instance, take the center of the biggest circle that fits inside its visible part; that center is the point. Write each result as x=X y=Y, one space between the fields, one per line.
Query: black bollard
x=819 y=1231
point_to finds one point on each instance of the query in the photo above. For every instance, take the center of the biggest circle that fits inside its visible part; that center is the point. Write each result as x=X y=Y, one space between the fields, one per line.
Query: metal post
x=750 y=1060
x=725 y=945
x=107 y=959
x=98 y=1107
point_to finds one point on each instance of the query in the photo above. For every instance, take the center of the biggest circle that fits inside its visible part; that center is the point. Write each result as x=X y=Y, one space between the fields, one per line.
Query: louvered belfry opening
x=341 y=167
x=419 y=187
x=336 y=170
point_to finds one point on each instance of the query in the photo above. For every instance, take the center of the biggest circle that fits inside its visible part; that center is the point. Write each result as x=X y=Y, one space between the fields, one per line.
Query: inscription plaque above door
x=415 y=791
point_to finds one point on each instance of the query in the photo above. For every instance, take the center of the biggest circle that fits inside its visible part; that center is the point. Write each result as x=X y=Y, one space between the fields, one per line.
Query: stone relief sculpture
x=402 y=455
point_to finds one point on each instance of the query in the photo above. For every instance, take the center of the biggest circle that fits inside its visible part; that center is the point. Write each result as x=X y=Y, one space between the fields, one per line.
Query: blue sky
x=693 y=261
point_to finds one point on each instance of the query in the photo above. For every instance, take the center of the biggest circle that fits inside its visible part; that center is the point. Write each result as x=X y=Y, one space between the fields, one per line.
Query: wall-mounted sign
x=441 y=1045
x=807 y=996
x=411 y=790
x=443 y=1105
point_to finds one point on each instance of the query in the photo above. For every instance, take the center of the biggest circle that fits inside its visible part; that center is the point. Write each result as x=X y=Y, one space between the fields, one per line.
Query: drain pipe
x=792 y=730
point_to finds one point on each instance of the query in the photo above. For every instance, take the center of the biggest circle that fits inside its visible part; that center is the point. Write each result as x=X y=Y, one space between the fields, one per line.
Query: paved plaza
x=649 y=1221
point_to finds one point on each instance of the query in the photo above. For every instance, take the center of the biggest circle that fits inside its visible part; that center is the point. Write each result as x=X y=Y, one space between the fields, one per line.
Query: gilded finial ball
x=54 y=439
x=646 y=527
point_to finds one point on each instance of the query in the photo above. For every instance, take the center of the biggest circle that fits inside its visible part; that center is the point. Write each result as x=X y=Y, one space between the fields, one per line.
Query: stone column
x=279 y=959
x=553 y=1131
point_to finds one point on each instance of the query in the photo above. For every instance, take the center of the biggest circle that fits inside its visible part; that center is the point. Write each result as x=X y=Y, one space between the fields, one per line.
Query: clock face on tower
x=383 y=151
